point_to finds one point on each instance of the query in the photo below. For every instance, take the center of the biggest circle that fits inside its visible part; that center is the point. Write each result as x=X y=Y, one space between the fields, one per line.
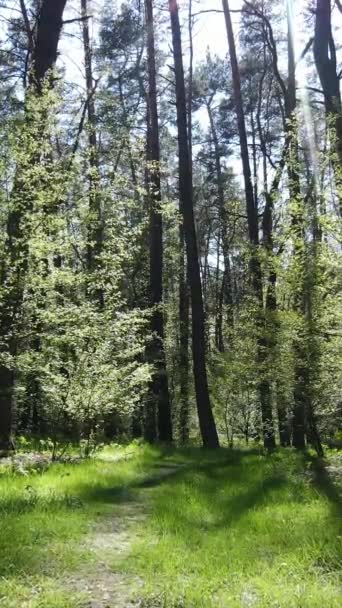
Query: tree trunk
x=297 y=221
x=159 y=392
x=283 y=422
x=205 y=414
x=325 y=59
x=44 y=55
x=49 y=27
x=184 y=303
x=95 y=224
x=253 y=230
x=224 y=224
x=184 y=296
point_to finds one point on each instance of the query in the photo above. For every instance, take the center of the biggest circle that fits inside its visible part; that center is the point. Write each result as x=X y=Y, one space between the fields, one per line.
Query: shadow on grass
x=204 y=473
x=225 y=491
x=325 y=485
x=160 y=473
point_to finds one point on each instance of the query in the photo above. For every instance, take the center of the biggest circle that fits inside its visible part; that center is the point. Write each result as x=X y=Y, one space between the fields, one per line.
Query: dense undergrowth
x=226 y=529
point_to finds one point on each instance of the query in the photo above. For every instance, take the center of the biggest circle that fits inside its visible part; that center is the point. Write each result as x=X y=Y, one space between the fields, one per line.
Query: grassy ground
x=192 y=529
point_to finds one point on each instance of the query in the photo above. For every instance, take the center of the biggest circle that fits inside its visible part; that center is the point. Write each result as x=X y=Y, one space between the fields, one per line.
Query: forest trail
x=142 y=527
x=110 y=540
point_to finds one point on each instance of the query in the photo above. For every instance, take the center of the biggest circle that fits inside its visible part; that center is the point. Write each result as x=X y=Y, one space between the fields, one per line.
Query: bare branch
x=339 y=5
x=306 y=49
x=27 y=24
x=77 y=19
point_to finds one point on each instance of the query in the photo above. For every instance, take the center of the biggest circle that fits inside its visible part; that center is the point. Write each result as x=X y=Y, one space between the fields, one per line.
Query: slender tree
x=159 y=393
x=205 y=414
x=184 y=297
x=325 y=59
x=95 y=226
x=297 y=218
x=253 y=230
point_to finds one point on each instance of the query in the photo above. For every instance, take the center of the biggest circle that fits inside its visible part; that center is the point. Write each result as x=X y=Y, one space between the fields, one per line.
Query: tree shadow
x=204 y=472
x=224 y=510
x=163 y=472
x=325 y=485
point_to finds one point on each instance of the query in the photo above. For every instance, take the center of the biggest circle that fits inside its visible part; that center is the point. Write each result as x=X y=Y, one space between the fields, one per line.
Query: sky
x=209 y=30
x=210 y=27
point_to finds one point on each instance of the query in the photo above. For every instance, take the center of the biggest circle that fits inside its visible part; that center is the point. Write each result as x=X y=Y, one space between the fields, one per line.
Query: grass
x=242 y=529
x=228 y=529
x=43 y=516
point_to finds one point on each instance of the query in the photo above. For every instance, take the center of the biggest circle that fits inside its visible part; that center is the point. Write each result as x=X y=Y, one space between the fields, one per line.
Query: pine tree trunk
x=205 y=414
x=264 y=387
x=325 y=59
x=159 y=391
x=224 y=224
x=184 y=297
x=184 y=303
x=95 y=224
x=297 y=220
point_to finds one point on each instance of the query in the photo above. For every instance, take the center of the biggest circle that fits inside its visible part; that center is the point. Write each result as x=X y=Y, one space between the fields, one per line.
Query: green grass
x=242 y=529
x=44 y=515
x=228 y=529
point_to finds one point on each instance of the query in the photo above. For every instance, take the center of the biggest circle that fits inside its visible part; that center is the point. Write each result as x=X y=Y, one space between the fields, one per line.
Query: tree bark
x=325 y=59
x=205 y=414
x=95 y=224
x=184 y=297
x=184 y=304
x=297 y=221
x=264 y=388
x=224 y=224
x=159 y=391
x=45 y=50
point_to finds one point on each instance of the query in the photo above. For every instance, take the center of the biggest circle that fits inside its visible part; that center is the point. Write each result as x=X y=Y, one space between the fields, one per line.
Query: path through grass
x=177 y=529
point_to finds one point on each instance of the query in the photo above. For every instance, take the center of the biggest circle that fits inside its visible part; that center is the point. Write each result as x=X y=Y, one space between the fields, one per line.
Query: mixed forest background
x=170 y=225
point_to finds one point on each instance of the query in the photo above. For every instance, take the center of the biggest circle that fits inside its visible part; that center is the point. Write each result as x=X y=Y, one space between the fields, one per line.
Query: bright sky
x=210 y=27
x=209 y=30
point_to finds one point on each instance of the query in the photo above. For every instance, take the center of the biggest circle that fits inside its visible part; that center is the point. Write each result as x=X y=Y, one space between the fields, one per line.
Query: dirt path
x=110 y=541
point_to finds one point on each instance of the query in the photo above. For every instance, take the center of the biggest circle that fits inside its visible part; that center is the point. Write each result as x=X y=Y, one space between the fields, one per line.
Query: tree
x=159 y=393
x=253 y=229
x=205 y=414
x=43 y=59
x=325 y=59
x=95 y=228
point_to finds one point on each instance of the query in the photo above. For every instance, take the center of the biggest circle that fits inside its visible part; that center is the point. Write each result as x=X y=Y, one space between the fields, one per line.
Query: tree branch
x=27 y=24
x=306 y=49
x=77 y=19
x=81 y=125
x=270 y=43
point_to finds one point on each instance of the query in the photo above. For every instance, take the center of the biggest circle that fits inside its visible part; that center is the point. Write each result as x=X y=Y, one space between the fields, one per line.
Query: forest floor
x=142 y=527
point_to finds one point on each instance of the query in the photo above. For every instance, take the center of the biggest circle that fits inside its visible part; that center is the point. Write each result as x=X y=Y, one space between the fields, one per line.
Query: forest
x=170 y=303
